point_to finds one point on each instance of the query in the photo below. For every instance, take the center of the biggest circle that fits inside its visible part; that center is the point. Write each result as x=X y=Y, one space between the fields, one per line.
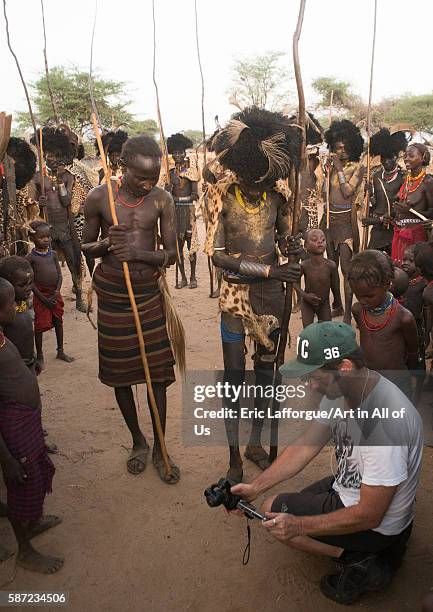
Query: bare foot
x=5 y=554
x=235 y=473
x=257 y=455
x=36 y=562
x=172 y=478
x=43 y=524
x=64 y=357
x=182 y=283
x=215 y=294
x=337 y=312
x=193 y=283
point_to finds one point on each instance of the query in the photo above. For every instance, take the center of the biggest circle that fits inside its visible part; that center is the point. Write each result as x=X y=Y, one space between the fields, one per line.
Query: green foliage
x=259 y=80
x=414 y=110
x=146 y=126
x=71 y=92
x=195 y=135
x=342 y=97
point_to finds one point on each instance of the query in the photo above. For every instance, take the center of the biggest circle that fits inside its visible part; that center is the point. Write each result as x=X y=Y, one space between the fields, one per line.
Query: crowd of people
x=362 y=515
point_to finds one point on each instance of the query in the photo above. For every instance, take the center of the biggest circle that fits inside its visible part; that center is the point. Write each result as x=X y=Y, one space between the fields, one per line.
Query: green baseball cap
x=319 y=344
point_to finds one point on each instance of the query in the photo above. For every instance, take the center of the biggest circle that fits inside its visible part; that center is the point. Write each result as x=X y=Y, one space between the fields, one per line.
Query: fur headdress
x=112 y=142
x=347 y=132
x=388 y=145
x=25 y=161
x=314 y=131
x=258 y=146
x=178 y=142
x=55 y=141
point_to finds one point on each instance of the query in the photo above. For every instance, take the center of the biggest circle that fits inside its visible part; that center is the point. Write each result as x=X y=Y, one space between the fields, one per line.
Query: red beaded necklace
x=374 y=327
x=122 y=201
x=411 y=184
x=415 y=281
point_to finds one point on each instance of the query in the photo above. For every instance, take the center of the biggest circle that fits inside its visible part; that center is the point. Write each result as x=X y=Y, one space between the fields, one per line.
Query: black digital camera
x=219 y=494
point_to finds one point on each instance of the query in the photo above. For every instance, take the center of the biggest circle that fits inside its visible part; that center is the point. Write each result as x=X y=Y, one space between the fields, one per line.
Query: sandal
x=172 y=478
x=138 y=455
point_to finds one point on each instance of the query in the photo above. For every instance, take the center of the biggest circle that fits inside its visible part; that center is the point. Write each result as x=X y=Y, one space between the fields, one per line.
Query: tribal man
x=56 y=202
x=184 y=189
x=13 y=221
x=386 y=184
x=246 y=218
x=139 y=206
x=344 y=179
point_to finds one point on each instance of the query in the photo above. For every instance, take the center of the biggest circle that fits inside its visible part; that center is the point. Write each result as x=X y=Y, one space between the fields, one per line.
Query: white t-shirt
x=378 y=450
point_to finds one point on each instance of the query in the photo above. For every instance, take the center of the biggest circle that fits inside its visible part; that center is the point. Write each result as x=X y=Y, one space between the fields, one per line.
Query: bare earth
x=134 y=543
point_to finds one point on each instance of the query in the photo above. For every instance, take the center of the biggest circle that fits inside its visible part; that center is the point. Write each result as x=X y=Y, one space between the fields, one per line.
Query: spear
x=295 y=218
x=366 y=197
x=127 y=276
x=47 y=72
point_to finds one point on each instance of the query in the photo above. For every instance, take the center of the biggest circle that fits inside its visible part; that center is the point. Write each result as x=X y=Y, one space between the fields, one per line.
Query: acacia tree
x=417 y=111
x=260 y=81
x=71 y=93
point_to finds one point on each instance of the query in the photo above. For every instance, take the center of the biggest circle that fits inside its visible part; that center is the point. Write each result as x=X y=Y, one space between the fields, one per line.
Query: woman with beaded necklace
x=415 y=196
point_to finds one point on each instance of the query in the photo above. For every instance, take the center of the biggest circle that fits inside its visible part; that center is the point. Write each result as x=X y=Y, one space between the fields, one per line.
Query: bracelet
x=251 y=268
x=341 y=178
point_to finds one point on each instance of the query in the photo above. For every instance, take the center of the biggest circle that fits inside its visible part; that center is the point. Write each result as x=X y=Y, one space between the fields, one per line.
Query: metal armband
x=251 y=268
x=62 y=190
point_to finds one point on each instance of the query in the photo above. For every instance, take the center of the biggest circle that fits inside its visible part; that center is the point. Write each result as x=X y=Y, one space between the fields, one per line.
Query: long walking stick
x=131 y=295
x=273 y=451
x=366 y=196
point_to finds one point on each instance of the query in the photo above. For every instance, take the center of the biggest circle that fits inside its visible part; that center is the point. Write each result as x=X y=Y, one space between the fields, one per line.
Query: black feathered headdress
x=178 y=142
x=314 y=131
x=388 y=145
x=57 y=142
x=25 y=161
x=258 y=145
x=112 y=142
x=347 y=132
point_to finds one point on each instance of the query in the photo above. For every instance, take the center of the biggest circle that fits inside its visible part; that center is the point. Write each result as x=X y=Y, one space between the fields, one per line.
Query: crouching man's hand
x=283 y=526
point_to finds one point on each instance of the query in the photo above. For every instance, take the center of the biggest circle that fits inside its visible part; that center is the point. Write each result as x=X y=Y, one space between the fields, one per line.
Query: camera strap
x=247 y=551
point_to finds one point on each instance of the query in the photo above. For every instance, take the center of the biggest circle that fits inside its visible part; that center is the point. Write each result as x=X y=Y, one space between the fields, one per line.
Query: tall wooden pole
x=370 y=95
x=47 y=72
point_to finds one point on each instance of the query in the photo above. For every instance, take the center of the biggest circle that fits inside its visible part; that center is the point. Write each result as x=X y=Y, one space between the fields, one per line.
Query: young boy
x=388 y=334
x=321 y=276
x=26 y=467
x=47 y=302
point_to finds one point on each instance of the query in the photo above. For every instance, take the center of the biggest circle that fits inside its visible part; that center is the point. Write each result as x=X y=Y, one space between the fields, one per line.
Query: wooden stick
x=418 y=214
x=330 y=106
x=285 y=320
x=370 y=95
x=131 y=295
x=47 y=72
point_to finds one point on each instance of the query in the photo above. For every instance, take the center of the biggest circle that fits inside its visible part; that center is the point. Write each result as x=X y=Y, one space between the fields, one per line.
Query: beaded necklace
x=21 y=306
x=46 y=253
x=250 y=210
x=122 y=201
x=390 y=305
x=411 y=184
x=393 y=176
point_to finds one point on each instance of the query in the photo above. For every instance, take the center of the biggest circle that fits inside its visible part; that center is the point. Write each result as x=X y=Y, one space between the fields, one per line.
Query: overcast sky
x=336 y=41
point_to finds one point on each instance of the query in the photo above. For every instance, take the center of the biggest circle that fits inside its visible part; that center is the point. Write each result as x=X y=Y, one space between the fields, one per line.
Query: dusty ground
x=133 y=543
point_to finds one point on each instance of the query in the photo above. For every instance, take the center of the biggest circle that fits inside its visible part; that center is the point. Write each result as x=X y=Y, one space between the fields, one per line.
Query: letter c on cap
x=302 y=347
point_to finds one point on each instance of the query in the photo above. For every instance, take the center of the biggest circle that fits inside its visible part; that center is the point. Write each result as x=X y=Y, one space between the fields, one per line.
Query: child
x=47 y=301
x=388 y=334
x=18 y=271
x=424 y=263
x=321 y=276
x=27 y=469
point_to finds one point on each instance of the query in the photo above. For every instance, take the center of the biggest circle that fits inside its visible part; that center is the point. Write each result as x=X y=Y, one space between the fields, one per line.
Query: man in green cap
x=362 y=515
